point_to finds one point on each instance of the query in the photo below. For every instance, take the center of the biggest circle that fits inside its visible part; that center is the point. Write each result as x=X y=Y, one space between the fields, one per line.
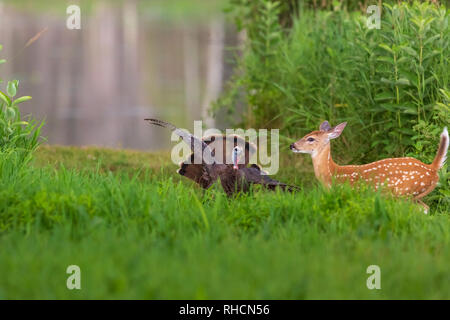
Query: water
x=95 y=86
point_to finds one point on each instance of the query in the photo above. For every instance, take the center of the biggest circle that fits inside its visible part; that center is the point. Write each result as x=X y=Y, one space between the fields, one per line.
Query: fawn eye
x=310 y=139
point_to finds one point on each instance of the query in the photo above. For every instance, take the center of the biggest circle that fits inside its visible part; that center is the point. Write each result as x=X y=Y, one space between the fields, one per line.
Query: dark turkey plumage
x=207 y=172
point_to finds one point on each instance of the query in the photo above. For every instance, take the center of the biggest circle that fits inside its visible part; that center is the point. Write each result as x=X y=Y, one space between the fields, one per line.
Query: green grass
x=137 y=230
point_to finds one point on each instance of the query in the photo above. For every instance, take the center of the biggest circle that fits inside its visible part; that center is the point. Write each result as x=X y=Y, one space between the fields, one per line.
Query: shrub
x=16 y=133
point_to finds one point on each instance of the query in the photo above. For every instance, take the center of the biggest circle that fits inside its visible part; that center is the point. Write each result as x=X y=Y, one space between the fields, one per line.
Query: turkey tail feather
x=161 y=123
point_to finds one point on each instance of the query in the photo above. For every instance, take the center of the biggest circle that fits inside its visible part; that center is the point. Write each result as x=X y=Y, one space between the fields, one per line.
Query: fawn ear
x=325 y=126
x=336 y=131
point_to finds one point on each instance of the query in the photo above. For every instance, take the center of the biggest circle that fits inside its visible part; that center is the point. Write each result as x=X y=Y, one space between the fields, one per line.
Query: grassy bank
x=137 y=230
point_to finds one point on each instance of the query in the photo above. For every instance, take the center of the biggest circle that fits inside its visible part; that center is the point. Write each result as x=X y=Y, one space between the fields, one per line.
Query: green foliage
x=390 y=84
x=16 y=133
x=331 y=66
x=409 y=60
x=244 y=12
x=2 y=61
x=148 y=236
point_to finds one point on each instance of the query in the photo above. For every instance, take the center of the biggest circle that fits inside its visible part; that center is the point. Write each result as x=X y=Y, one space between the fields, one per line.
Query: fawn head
x=314 y=142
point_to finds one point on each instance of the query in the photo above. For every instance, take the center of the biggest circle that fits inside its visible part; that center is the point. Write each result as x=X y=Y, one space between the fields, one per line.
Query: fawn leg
x=426 y=208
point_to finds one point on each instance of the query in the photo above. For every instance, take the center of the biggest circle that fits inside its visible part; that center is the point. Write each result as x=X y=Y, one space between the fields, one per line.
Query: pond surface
x=95 y=86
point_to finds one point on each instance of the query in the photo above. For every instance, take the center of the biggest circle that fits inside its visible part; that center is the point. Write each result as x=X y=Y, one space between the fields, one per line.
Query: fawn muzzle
x=294 y=147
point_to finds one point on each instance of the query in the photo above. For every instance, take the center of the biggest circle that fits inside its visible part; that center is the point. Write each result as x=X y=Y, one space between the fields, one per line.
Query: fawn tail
x=441 y=155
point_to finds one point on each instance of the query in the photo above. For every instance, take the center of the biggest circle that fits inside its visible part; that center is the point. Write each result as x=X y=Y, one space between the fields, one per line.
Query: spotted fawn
x=407 y=177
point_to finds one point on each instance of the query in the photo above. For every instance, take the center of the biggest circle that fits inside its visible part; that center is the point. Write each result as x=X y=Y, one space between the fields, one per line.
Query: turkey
x=231 y=168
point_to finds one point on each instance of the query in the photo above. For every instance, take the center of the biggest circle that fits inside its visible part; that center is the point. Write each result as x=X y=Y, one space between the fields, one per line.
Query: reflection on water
x=95 y=85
